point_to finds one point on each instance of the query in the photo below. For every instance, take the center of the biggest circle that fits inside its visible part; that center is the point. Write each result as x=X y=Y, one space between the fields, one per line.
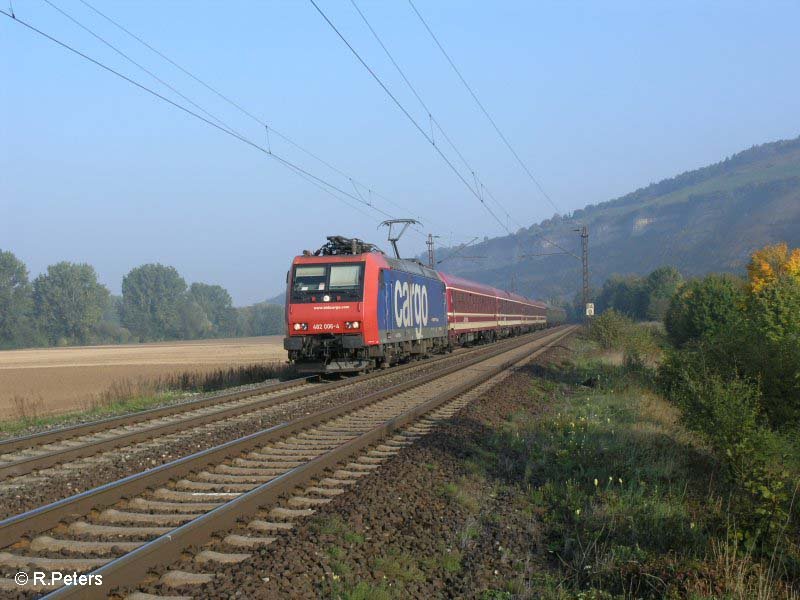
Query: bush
x=704 y=307
x=728 y=411
x=610 y=329
x=614 y=331
x=773 y=348
x=724 y=408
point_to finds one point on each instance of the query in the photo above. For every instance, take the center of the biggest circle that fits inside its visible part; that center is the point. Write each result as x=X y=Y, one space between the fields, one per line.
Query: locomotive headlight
x=356 y=324
x=299 y=326
x=326 y=298
x=352 y=324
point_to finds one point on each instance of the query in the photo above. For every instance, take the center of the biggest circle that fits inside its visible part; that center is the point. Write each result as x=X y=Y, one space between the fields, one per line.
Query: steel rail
x=135 y=565
x=63 y=433
x=48 y=516
x=29 y=464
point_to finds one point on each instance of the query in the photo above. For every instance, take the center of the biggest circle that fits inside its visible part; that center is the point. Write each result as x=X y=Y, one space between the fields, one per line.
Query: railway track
x=24 y=455
x=250 y=489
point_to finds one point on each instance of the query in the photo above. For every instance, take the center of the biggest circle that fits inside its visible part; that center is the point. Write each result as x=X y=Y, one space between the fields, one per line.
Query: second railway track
x=127 y=529
x=24 y=455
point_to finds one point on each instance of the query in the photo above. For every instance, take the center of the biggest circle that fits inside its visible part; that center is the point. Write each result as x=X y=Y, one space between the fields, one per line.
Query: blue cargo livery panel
x=410 y=307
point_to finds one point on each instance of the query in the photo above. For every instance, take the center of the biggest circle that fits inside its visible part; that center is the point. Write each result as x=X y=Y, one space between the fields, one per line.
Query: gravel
x=423 y=526
x=26 y=492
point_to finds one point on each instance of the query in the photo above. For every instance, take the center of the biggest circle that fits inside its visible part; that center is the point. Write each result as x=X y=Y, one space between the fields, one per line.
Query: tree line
x=730 y=361
x=734 y=370
x=67 y=305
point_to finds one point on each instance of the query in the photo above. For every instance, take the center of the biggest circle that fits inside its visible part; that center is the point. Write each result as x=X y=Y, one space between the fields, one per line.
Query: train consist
x=351 y=308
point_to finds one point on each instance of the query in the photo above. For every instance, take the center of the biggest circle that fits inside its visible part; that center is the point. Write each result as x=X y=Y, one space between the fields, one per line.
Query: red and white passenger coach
x=477 y=311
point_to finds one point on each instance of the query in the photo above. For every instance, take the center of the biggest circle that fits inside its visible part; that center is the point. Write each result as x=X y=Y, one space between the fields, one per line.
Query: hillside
x=709 y=219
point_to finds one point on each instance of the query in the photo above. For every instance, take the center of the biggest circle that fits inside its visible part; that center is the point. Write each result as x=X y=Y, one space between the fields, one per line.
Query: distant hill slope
x=705 y=220
x=277 y=299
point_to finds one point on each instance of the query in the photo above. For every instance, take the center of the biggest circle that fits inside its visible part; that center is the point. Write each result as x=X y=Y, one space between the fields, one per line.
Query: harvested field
x=56 y=380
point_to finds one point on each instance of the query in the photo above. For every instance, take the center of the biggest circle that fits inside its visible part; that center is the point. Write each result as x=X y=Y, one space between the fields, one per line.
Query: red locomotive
x=350 y=308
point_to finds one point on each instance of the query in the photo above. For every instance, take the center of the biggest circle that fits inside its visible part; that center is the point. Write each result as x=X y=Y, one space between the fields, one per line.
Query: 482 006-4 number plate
x=326 y=326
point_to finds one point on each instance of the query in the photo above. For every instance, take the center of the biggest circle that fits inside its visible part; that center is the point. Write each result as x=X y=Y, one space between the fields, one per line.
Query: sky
x=597 y=99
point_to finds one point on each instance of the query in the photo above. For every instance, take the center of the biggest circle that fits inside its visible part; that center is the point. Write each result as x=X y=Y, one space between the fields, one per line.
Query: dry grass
x=26 y=409
x=131 y=395
x=743 y=578
x=52 y=381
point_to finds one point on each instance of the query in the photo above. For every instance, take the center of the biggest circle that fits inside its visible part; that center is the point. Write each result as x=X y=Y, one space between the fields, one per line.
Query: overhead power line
x=432 y=119
x=269 y=128
x=408 y=115
x=141 y=67
x=283 y=161
x=263 y=123
x=483 y=109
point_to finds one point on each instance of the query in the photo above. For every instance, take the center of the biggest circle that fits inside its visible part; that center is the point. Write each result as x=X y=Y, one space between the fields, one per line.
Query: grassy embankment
x=137 y=394
x=627 y=502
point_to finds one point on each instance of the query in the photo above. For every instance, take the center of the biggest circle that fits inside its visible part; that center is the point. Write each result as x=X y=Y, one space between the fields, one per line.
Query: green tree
x=216 y=303
x=706 y=307
x=194 y=321
x=262 y=319
x=661 y=286
x=773 y=348
x=69 y=302
x=626 y=295
x=15 y=302
x=152 y=300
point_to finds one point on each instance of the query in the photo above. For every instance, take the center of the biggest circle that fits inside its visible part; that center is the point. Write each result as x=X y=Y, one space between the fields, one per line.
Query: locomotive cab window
x=309 y=278
x=327 y=283
x=345 y=277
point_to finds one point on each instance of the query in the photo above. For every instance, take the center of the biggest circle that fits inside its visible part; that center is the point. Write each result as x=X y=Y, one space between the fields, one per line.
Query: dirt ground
x=64 y=379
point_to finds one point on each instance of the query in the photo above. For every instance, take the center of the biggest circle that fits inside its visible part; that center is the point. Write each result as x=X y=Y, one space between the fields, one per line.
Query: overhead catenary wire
x=483 y=109
x=408 y=115
x=269 y=128
x=283 y=161
x=479 y=185
x=431 y=117
x=138 y=65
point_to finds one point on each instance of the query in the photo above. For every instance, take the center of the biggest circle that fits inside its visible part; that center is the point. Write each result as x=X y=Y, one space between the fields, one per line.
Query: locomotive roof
x=411 y=266
x=401 y=264
x=472 y=286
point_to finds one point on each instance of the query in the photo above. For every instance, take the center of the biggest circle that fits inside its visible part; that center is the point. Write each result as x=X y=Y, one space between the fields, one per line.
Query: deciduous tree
x=152 y=298
x=770 y=263
x=216 y=303
x=15 y=301
x=69 y=302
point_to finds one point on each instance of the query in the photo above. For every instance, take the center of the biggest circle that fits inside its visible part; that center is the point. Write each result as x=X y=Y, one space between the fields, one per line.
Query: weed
x=399 y=566
x=451 y=561
x=333 y=525
x=361 y=591
x=464 y=493
x=351 y=537
x=26 y=410
x=496 y=595
x=336 y=553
